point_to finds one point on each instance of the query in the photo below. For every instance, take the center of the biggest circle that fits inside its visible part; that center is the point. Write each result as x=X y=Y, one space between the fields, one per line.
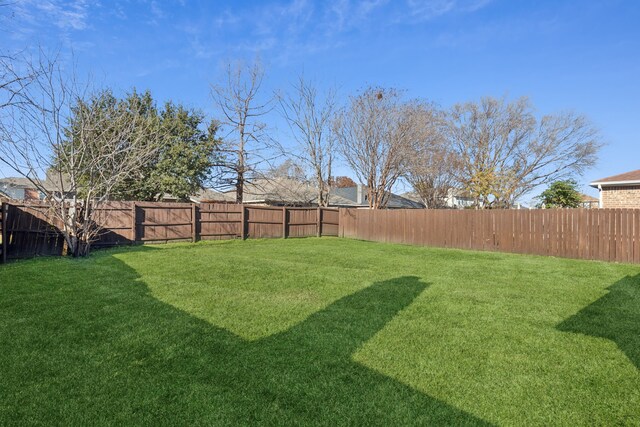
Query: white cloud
x=43 y=18
x=65 y=14
x=429 y=9
x=289 y=28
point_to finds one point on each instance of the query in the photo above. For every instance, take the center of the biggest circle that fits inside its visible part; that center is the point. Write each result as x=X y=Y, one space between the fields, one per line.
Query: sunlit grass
x=318 y=331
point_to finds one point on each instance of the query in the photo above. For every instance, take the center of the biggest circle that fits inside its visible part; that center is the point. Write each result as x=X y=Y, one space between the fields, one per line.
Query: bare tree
x=246 y=144
x=505 y=151
x=432 y=164
x=375 y=135
x=15 y=75
x=309 y=117
x=70 y=151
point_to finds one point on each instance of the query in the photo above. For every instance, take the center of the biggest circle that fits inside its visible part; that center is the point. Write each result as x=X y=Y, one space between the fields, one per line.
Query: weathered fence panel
x=219 y=221
x=116 y=222
x=164 y=222
x=597 y=234
x=30 y=231
x=264 y=222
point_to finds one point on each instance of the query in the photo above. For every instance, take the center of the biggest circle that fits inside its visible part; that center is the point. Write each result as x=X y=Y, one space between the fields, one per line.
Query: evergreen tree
x=561 y=194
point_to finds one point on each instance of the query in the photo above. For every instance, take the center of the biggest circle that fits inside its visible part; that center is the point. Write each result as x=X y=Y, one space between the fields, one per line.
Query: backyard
x=318 y=331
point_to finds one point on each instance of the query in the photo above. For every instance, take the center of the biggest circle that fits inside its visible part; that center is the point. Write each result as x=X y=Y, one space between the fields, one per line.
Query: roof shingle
x=633 y=176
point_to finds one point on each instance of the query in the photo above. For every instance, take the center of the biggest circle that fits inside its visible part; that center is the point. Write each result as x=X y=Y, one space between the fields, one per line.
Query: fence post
x=194 y=224
x=319 y=222
x=284 y=222
x=5 y=244
x=134 y=232
x=243 y=222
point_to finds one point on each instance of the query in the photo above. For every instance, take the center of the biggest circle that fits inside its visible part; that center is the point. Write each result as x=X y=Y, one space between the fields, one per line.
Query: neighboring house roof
x=16 y=182
x=51 y=183
x=210 y=195
x=588 y=199
x=411 y=195
x=627 y=178
x=357 y=198
x=292 y=192
x=284 y=191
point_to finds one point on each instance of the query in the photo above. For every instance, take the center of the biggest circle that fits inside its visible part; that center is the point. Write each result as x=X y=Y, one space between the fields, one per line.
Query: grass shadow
x=615 y=316
x=113 y=354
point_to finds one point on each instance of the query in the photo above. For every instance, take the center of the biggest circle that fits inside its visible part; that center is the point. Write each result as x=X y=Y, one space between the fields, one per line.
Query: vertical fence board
x=603 y=234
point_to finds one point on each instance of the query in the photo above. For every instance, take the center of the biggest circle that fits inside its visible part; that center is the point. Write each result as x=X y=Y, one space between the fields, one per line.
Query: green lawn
x=318 y=331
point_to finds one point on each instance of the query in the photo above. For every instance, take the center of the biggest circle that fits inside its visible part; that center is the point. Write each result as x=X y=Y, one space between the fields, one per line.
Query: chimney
x=359 y=197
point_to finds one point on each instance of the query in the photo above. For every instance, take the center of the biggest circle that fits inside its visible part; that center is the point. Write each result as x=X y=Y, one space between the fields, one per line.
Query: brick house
x=19 y=189
x=619 y=191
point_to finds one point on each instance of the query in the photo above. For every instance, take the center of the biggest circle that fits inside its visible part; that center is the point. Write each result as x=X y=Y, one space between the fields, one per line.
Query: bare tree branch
x=309 y=116
x=505 y=151
x=375 y=134
x=246 y=144
x=431 y=164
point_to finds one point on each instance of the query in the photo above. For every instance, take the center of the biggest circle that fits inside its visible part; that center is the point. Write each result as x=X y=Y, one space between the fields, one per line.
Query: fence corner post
x=194 y=222
x=319 y=222
x=5 y=243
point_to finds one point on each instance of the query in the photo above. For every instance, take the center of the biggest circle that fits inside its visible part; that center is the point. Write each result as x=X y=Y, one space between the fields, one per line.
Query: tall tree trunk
x=240 y=187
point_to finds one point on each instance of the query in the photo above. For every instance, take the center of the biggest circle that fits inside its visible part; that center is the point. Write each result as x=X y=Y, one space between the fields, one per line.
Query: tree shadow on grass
x=615 y=316
x=117 y=355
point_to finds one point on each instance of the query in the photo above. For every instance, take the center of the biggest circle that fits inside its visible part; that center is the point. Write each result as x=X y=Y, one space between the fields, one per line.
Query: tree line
x=494 y=149
x=80 y=145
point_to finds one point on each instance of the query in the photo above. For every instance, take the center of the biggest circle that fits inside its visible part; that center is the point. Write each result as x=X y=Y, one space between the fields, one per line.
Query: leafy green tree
x=184 y=152
x=561 y=194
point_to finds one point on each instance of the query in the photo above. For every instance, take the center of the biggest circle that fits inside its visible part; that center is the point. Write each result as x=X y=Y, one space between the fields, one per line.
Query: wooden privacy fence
x=601 y=234
x=598 y=234
x=28 y=231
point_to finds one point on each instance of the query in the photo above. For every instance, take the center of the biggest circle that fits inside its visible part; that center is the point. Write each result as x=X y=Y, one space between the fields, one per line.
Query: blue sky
x=565 y=55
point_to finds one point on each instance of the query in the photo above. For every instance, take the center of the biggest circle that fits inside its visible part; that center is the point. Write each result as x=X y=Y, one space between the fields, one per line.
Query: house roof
x=586 y=198
x=288 y=191
x=395 y=201
x=50 y=183
x=16 y=182
x=285 y=191
x=627 y=178
x=211 y=195
x=411 y=195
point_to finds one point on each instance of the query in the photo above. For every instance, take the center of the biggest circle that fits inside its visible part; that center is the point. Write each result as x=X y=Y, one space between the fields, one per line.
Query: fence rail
x=28 y=229
x=597 y=234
